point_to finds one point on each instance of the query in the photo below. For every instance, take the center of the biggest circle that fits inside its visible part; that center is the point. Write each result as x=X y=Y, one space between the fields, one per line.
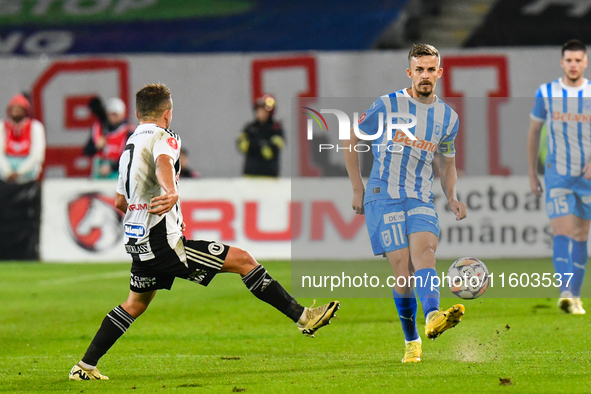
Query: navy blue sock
x=579 y=256
x=428 y=294
x=406 y=305
x=561 y=258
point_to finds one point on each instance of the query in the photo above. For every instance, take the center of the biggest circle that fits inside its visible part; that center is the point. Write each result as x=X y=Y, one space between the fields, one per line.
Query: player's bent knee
x=134 y=308
x=239 y=261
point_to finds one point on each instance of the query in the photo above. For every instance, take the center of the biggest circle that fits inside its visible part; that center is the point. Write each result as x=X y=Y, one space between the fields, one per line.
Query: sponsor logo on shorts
x=198 y=276
x=422 y=211
x=376 y=190
x=386 y=238
x=586 y=199
x=142 y=282
x=558 y=192
x=215 y=249
x=134 y=230
x=394 y=217
x=138 y=249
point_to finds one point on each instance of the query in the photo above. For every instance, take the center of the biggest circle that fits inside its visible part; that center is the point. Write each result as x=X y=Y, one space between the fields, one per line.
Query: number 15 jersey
x=148 y=236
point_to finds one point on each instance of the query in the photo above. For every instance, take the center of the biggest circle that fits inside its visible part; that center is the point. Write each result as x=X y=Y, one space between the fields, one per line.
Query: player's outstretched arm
x=449 y=178
x=352 y=164
x=165 y=174
x=533 y=150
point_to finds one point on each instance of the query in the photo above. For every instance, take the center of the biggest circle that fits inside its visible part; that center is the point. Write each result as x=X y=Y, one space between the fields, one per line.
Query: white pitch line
x=84 y=278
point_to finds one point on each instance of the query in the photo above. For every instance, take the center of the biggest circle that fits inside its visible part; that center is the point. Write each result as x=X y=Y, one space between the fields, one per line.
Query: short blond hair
x=419 y=50
x=152 y=101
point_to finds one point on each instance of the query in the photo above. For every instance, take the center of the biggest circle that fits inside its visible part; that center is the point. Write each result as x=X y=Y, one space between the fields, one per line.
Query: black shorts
x=204 y=261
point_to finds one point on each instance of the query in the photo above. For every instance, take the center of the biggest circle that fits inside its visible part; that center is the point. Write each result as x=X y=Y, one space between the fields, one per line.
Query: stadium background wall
x=213 y=95
x=303 y=218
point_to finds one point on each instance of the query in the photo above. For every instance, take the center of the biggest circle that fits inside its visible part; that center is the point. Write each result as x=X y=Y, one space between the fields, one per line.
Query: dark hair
x=419 y=50
x=574 y=45
x=152 y=101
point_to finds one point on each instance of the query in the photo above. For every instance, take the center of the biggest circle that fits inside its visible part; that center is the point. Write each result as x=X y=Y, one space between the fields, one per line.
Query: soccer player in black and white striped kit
x=147 y=193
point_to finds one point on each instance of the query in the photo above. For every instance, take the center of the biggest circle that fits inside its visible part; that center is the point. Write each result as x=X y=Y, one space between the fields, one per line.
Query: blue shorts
x=567 y=195
x=390 y=221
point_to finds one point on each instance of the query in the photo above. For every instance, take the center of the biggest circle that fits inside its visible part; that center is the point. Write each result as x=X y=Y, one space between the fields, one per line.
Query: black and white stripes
x=204 y=259
x=257 y=279
x=120 y=318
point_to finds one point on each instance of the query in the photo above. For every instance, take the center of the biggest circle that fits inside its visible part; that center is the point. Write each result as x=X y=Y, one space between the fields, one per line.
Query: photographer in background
x=108 y=137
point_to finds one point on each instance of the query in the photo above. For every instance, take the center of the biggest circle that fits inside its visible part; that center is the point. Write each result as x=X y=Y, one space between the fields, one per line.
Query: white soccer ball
x=468 y=278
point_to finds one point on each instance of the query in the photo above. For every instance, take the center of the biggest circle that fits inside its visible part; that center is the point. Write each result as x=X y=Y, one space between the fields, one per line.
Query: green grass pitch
x=221 y=339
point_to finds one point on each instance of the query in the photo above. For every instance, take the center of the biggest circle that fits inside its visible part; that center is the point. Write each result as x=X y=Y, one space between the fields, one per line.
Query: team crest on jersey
x=94 y=222
x=437 y=130
x=173 y=143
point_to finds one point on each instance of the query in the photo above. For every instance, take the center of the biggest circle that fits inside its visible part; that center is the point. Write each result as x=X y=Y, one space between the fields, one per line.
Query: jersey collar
x=415 y=101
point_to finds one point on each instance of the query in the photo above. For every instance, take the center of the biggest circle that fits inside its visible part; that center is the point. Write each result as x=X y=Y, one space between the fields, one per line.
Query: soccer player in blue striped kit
x=398 y=204
x=565 y=106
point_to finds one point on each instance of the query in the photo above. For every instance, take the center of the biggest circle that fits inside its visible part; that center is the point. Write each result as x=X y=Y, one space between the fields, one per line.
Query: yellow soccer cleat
x=440 y=321
x=79 y=373
x=315 y=318
x=565 y=304
x=566 y=301
x=577 y=307
x=413 y=352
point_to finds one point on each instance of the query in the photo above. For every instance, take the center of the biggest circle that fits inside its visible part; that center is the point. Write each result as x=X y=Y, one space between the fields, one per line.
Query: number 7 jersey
x=148 y=236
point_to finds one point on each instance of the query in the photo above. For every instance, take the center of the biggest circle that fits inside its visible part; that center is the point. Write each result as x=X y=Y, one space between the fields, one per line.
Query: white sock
x=303 y=315
x=86 y=366
x=414 y=340
x=566 y=294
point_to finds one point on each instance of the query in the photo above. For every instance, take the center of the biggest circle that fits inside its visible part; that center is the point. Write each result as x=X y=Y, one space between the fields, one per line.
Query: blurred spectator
x=108 y=137
x=186 y=171
x=262 y=140
x=22 y=143
x=22 y=151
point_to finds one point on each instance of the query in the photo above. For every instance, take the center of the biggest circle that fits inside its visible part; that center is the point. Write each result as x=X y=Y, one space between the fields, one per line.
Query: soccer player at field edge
x=147 y=192
x=398 y=205
x=563 y=105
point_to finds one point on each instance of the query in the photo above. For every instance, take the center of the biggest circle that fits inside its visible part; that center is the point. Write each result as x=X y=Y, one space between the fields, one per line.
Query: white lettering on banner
x=311 y=219
x=80 y=7
x=124 y=5
x=578 y=9
x=10 y=43
x=76 y=7
x=40 y=42
x=394 y=217
x=49 y=42
x=11 y=7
